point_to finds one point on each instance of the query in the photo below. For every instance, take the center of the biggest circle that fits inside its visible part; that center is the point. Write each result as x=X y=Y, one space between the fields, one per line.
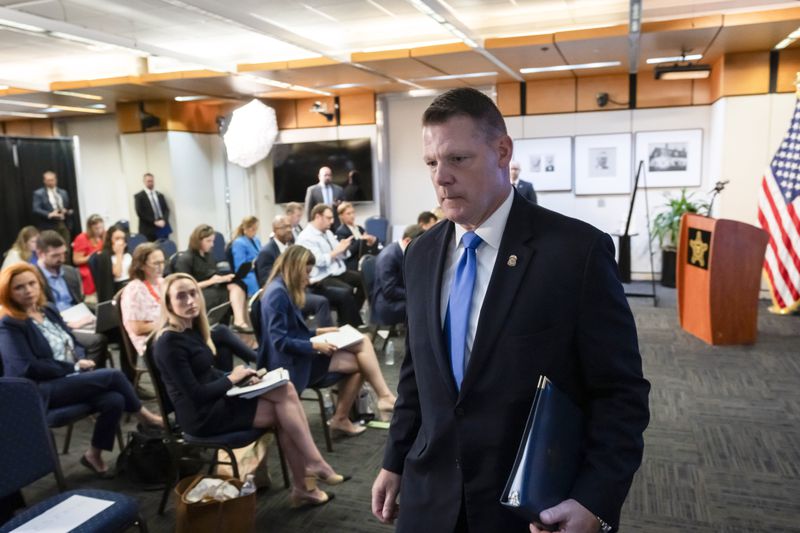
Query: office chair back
x=379 y=227
x=168 y=247
x=164 y=403
x=219 y=248
x=367 y=267
x=134 y=240
x=92 y=262
x=254 y=307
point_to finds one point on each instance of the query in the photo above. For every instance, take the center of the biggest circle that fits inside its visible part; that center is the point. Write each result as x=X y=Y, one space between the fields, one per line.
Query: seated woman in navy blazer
x=185 y=354
x=36 y=344
x=286 y=341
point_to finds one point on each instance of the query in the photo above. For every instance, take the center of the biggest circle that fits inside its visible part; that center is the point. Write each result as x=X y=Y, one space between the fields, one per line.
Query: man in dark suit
x=64 y=289
x=325 y=192
x=51 y=207
x=524 y=188
x=389 y=295
x=316 y=305
x=505 y=291
x=152 y=210
x=362 y=244
x=294 y=211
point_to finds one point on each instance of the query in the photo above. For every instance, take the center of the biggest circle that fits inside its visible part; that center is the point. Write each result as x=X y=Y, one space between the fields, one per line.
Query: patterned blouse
x=59 y=340
x=140 y=304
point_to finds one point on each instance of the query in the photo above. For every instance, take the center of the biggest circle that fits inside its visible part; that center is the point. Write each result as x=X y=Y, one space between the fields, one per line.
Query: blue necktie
x=459 y=303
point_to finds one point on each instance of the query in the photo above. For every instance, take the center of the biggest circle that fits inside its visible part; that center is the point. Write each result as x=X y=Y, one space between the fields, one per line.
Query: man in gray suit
x=325 y=192
x=524 y=188
x=51 y=207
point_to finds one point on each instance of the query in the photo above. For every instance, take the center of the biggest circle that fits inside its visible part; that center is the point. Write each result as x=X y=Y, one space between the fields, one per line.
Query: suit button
x=458 y=464
x=459 y=411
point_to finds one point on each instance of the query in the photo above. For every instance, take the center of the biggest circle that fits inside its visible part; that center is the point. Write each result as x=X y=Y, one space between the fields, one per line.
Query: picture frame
x=603 y=164
x=672 y=158
x=545 y=162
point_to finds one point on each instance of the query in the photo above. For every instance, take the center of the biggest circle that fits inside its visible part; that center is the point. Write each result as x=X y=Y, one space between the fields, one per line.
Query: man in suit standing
x=325 y=192
x=152 y=210
x=51 y=207
x=316 y=304
x=294 y=211
x=362 y=244
x=505 y=291
x=389 y=295
x=525 y=188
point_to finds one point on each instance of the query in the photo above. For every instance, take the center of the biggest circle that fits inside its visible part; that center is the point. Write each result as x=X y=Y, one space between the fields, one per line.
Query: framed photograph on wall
x=671 y=158
x=603 y=164
x=547 y=163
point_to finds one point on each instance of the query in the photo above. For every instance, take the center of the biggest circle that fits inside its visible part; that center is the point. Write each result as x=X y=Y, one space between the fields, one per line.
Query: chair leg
x=284 y=469
x=67 y=440
x=325 y=428
x=120 y=441
x=172 y=477
x=142 y=523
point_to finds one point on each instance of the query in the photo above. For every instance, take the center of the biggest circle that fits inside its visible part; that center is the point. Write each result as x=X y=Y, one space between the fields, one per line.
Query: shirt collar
x=280 y=245
x=48 y=274
x=491 y=231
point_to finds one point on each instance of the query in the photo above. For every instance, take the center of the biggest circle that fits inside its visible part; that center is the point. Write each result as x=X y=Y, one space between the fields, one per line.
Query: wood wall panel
x=660 y=93
x=309 y=119
x=788 y=67
x=550 y=96
x=357 y=109
x=745 y=73
x=508 y=98
x=28 y=128
x=615 y=85
x=285 y=113
x=715 y=80
x=192 y=117
x=701 y=92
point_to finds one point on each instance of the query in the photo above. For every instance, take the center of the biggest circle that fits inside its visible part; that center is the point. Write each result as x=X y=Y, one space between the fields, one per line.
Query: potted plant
x=666 y=226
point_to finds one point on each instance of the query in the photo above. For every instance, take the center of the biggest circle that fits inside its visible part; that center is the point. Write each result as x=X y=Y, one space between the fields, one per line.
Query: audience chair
x=219 y=314
x=179 y=443
x=173 y=262
x=30 y=455
x=367 y=268
x=168 y=247
x=379 y=227
x=128 y=351
x=219 y=248
x=255 y=320
x=134 y=240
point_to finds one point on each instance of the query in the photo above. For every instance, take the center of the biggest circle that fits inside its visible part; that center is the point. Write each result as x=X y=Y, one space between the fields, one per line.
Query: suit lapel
x=507 y=275
x=434 y=309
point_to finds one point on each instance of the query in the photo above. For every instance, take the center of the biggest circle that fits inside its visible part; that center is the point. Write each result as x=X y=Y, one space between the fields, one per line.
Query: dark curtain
x=22 y=163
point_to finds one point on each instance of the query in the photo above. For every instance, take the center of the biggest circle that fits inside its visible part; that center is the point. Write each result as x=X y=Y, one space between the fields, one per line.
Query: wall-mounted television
x=296 y=165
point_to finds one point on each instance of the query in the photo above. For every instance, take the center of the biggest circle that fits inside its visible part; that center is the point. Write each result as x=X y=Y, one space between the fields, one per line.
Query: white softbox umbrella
x=251 y=134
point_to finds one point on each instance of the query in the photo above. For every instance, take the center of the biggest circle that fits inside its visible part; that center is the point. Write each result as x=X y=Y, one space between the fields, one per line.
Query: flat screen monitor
x=296 y=165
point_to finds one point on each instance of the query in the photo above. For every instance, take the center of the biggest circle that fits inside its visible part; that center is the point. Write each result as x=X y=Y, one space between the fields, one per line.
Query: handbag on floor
x=237 y=514
x=251 y=459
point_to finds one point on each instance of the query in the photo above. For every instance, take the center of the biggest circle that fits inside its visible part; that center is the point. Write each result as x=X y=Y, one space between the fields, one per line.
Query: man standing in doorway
x=502 y=292
x=325 y=192
x=51 y=207
x=152 y=210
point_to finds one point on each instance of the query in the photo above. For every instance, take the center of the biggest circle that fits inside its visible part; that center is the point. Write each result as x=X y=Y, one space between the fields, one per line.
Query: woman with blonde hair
x=185 y=354
x=24 y=248
x=287 y=342
x=245 y=246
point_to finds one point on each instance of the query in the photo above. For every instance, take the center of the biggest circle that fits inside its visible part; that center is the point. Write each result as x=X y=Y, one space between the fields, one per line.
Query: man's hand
x=81 y=323
x=56 y=214
x=86 y=364
x=160 y=223
x=342 y=246
x=370 y=238
x=570 y=516
x=384 y=496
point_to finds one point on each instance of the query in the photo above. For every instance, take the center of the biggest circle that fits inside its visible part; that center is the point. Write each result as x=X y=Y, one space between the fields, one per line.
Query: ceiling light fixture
x=22 y=103
x=191 y=98
x=416 y=93
x=792 y=37
x=674 y=59
x=21 y=114
x=376 y=5
x=3 y=87
x=284 y=85
x=98 y=106
x=79 y=95
x=580 y=66
x=458 y=76
x=682 y=72
x=21 y=26
x=52 y=110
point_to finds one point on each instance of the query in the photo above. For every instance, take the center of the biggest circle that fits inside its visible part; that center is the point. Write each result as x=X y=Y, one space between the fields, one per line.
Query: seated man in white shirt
x=343 y=288
x=362 y=244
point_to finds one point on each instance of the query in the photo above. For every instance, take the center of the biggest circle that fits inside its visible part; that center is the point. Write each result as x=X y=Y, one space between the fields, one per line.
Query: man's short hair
x=147 y=174
x=426 y=217
x=413 y=231
x=49 y=239
x=291 y=207
x=466 y=102
x=319 y=209
x=344 y=206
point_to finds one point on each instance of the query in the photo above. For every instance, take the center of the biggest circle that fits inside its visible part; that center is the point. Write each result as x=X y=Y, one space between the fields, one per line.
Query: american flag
x=777 y=213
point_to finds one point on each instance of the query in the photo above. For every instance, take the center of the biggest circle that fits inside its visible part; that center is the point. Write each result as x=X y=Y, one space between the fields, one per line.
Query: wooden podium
x=718 y=278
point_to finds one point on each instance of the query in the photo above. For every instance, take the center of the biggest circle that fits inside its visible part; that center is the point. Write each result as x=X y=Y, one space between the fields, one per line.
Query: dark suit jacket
x=343 y=232
x=74 y=285
x=559 y=311
x=267 y=256
x=389 y=295
x=144 y=210
x=314 y=196
x=42 y=207
x=525 y=189
x=27 y=354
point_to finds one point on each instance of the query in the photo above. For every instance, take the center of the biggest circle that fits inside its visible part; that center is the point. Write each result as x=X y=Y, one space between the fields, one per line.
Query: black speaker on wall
x=146 y=120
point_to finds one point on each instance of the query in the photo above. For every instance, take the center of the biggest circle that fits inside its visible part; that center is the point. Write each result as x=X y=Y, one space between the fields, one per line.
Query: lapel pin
x=512 y=260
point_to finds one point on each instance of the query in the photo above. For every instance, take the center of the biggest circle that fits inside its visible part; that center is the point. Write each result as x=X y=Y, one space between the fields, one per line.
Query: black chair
x=30 y=455
x=134 y=240
x=168 y=247
x=131 y=363
x=219 y=248
x=367 y=268
x=377 y=226
x=255 y=319
x=178 y=442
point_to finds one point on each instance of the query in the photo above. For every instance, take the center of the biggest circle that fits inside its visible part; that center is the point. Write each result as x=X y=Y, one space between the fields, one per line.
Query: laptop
x=106 y=316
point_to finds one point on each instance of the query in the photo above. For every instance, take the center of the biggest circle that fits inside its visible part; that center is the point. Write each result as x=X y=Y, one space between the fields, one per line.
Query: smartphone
x=260 y=373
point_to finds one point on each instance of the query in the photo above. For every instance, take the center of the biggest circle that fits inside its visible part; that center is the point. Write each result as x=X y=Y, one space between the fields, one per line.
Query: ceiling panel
x=541 y=55
x=323 y=76
x=673 y=43
x=750 y=38
x=596 y=50
x=457 y=63
x=403 y=68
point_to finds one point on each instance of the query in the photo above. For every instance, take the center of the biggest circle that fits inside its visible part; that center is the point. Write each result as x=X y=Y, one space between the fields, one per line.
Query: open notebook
x=345 y=336
x=271 y=380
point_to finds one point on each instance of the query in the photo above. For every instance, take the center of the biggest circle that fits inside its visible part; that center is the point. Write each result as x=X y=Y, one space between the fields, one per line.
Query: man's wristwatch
x=604 y=527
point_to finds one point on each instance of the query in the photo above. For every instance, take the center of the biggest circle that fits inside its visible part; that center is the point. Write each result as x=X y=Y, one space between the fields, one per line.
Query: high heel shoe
x=357 y=430
x=307 y=499
x=333 y=479
x=386 y=406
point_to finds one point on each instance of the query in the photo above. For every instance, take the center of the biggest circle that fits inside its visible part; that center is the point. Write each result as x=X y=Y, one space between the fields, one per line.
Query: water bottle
x=389 y=351
x=249 y=486
x=327 y=401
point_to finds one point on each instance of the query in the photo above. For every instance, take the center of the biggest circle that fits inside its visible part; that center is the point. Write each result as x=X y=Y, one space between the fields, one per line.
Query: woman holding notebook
x=184 y=352
x=287 y=342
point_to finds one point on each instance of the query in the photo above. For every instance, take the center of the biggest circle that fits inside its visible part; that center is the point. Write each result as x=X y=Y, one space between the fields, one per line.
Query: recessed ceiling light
x=52 y=110
x=792 y=37
x=190 y=98
x=98 y=106
x=345 y=86
x=580 y=66
x=21 y=26
x=674 y=59
x=457 y=76
x=79 y=95
x=22 y=103
x=422 y=92
x=21 y=114
x=682 y=72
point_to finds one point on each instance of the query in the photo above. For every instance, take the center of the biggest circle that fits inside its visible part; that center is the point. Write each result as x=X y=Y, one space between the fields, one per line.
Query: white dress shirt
x=151 y=193
x=355 y=231
x=491 y=232
x=321 y=245
x=55 y=198
x=281 y=247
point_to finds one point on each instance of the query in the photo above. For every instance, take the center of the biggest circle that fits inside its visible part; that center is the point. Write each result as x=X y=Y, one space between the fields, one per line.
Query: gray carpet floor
x=722 y=451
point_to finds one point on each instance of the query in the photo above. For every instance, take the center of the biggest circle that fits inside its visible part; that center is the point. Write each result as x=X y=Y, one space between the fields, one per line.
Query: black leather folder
x=549 y=454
